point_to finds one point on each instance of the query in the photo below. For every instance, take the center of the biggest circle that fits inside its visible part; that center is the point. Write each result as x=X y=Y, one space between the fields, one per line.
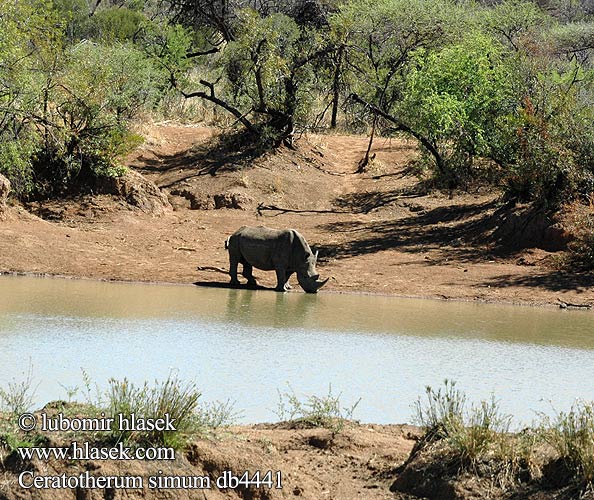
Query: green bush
x=453 y=98
x=114 y=24
x=173 y=397
x=16 y=164
x=572 y=436
x=442 y=411
x=470 y=433
x=315 y=411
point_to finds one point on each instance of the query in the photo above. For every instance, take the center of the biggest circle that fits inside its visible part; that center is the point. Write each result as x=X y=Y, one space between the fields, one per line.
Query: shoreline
x=548 y=305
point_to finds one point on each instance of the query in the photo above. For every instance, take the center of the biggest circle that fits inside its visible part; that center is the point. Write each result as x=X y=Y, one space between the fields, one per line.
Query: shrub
x=173 y=397
x=481 y=430
x=572 y=436
x=442 y=412
x=469 y=433
x=316 y=411
x=16 y=165
x=19 y=394
x=453 y=98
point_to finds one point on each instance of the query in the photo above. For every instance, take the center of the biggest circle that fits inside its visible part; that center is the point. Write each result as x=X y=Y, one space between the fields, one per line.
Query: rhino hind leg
x=233 y=263
x=247 y=274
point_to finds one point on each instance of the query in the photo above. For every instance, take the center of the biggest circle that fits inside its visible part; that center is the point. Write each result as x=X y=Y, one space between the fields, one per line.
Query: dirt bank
x=360 y=461
x=313 y=463
x=377 y=232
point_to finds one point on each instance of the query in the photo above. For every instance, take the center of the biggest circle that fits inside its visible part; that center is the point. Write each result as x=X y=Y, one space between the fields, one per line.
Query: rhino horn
x=316 y=256
x=321 y=283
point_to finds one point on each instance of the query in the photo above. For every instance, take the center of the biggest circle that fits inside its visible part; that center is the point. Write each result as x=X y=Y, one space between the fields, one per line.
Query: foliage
x=547 y=146
x=572 y=435
x=515 y=22
x=453 y=98
x=16 y=164
x=19 y=394
x=318 y=411
x=442 y=411
x=490 y=90
x=114 y=24
x=470 y=433
x=171 y=397
x=380 y=38
x=65 y=109
x=268 y=72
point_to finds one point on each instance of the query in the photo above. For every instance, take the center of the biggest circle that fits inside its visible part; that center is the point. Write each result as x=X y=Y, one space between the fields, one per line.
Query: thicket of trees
x=491 y=90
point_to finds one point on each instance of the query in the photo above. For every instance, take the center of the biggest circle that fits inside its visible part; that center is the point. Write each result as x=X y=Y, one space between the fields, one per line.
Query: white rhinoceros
x=284 y=251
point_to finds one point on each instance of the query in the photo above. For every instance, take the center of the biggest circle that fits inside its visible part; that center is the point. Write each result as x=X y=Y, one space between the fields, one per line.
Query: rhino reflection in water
x=284 y=251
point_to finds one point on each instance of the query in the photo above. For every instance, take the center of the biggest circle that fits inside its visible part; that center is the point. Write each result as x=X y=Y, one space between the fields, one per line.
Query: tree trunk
x=365 y=160
x=336 y=88
x=440 y=163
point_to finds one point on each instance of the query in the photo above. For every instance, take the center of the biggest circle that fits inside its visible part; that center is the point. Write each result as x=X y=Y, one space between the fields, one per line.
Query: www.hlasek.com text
x=85 y=451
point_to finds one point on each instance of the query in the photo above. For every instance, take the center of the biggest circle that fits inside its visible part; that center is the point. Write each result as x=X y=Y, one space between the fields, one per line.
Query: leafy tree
x=453 y=99
x=100 y=89
x=64 y=110
x=378 y=41
x=517 y=23
x=30 y=42
x=265 y=73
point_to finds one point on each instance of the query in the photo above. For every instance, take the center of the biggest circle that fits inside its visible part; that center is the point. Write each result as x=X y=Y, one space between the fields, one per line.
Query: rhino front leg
x=287 y=285
x=247 y=274
x=281 y=280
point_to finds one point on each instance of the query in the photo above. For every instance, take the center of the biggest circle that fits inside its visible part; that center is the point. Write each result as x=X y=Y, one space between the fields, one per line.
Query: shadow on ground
x=452 y=227
x=556 y=281
x=225 y=153
x=227 y=285
x=372 y=200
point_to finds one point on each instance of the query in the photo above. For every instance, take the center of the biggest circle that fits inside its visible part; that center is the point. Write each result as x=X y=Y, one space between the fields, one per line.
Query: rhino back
x=265 y=248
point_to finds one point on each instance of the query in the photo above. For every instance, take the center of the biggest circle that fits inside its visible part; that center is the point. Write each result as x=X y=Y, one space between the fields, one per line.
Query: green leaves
x=455 y=95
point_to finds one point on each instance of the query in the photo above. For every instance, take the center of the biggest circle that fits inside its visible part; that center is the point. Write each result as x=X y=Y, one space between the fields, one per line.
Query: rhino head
x=308 y=278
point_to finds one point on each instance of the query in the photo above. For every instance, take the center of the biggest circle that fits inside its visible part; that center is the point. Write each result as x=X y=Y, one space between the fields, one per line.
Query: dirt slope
x=358 y=463
x=377 y=232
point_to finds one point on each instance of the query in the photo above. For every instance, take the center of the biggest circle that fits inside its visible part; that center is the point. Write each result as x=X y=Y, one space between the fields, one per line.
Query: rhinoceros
x=284 y=251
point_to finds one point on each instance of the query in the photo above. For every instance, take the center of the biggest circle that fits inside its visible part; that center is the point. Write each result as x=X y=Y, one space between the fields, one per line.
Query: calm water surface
x=244 y=345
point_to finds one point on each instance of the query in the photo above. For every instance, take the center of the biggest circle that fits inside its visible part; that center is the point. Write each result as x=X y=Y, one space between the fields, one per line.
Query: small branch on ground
x=565 y=305
x=212 y=268
x=274 y=208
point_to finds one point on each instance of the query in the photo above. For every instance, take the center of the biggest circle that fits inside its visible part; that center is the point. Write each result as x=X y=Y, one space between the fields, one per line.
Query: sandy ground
x=376 y=232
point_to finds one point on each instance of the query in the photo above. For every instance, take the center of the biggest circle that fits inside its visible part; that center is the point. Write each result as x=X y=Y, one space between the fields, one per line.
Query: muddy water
x=245 y=345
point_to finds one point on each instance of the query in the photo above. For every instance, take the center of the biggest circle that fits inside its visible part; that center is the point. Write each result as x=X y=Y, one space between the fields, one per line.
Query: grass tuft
x=315 y=411
x=571 y=434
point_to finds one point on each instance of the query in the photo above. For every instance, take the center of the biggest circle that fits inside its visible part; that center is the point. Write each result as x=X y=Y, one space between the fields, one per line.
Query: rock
x=231 y=200
x=137 y=191
x=197 y=201
x=4 y=190
x=200 y=201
